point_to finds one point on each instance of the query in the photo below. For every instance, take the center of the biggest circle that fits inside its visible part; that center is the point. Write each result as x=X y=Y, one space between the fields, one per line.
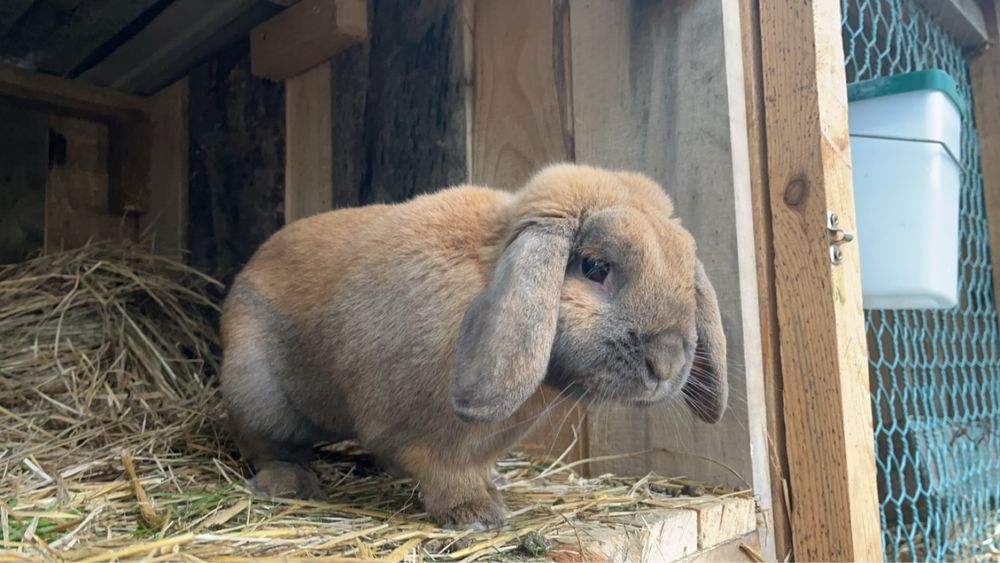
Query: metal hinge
x=840 y=237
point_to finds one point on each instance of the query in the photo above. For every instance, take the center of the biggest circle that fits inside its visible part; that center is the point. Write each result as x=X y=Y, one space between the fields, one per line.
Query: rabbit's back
x=359 y=310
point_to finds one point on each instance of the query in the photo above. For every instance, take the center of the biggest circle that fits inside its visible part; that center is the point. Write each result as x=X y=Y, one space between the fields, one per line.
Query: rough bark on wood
x=237 y=161
x=399 y=105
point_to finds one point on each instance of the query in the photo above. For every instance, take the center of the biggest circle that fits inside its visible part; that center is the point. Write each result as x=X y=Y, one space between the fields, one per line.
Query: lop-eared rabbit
x=422 y=329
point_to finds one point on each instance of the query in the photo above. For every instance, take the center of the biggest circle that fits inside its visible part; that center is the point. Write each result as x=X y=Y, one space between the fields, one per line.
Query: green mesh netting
x=935 y=375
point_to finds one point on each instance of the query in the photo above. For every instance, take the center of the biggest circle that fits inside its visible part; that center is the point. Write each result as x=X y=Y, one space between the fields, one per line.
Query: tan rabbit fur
x=423 y=328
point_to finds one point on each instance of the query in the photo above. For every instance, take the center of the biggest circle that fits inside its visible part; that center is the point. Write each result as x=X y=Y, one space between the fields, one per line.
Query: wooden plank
x=522 y=112
x=68 y=97
x=963 y=19
x=641 y=102
x=306 y=34
x=668 y=535
x=706 y=528
x=766 y=298
x=518 y=124
x=826 y=398
x=308 y=144
x=76 y=194
x=984 y=70
x=724 y=519
x=733 y=551
x=237 y=162
x=185 y=32
x=24 y=157
x=166 y=213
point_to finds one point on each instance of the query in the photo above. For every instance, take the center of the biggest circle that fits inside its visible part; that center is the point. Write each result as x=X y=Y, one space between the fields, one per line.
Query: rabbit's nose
x=664 y=355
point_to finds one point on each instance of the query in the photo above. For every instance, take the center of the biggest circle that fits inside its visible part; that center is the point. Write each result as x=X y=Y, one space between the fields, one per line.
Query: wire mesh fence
x=935 y=375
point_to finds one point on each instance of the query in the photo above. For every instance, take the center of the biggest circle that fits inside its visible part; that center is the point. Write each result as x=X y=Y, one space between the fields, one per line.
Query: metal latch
x=840 y=237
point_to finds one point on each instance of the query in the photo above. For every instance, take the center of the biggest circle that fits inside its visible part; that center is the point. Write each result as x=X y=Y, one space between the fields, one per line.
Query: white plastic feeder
x=906 y=135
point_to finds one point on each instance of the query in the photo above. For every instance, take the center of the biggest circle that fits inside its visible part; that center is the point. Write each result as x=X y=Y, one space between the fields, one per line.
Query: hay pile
x=110 y=449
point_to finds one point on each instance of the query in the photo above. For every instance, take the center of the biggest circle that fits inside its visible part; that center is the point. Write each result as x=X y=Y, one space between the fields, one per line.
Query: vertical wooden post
x=827 y=406
x=166 y=212
x=985 y=73
x=764 y=251
x=522 y=119
x=308 y=144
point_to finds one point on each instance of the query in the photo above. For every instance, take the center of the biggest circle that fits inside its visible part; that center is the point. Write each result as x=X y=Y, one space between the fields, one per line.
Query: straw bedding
x=111 y=448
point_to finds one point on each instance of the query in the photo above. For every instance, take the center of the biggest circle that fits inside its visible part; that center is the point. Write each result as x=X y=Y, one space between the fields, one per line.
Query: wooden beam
x=766 y=298
x=68 y=97
x=308 y=144
x=961 y=18
x=186 y=32
x=824 y=359
x=522 y=112
x=305 y=35
x=166 y=211
x=984 y=70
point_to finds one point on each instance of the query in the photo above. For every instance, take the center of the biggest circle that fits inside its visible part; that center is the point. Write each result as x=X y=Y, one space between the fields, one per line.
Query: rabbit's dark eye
x=595 y=270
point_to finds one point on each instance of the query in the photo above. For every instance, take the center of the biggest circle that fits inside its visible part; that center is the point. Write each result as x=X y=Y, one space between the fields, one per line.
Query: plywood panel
x=646 y=99
x=826 y=397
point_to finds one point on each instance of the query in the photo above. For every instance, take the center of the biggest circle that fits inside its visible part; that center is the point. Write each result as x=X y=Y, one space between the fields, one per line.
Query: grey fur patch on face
x=648 y=333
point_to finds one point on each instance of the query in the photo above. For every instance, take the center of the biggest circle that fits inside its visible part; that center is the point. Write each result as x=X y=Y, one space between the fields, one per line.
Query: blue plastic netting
x=935 y=374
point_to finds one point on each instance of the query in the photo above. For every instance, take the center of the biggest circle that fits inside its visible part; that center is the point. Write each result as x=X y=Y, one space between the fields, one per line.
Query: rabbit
x=421 y=329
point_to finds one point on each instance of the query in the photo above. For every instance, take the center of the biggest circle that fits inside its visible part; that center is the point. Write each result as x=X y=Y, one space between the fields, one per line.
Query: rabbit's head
x=596 y=290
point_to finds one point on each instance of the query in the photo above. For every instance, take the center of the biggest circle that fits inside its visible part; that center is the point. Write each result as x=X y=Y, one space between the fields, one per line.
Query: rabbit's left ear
x=707 y=389
x=508 y=331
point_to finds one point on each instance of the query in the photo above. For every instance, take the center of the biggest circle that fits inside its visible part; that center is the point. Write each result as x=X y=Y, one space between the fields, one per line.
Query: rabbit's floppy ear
x=508 y=331
x=707 y=389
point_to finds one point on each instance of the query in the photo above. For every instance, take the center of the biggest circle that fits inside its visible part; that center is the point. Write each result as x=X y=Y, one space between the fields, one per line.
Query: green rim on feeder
x=932 y=79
